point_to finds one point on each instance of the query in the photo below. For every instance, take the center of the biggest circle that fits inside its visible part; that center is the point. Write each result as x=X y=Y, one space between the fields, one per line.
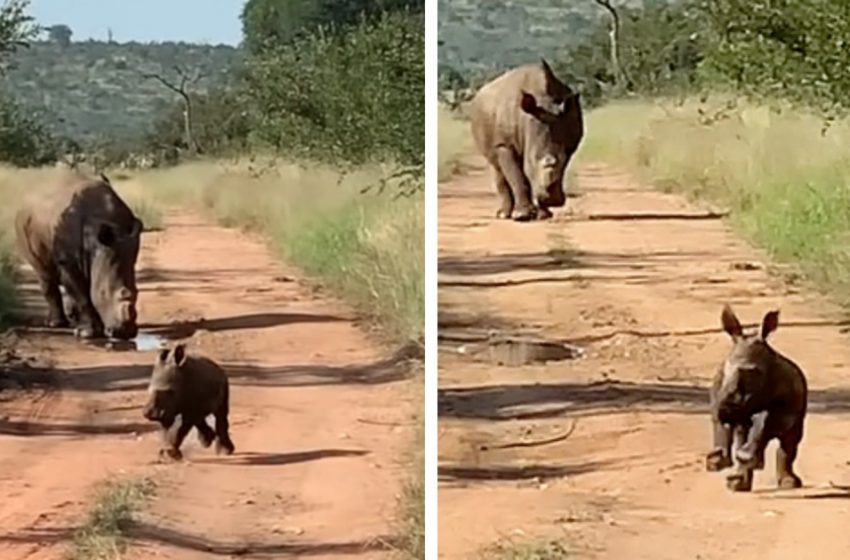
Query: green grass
x=551 y=550
x=367 y=248
x=104 y=534
x=784 y=181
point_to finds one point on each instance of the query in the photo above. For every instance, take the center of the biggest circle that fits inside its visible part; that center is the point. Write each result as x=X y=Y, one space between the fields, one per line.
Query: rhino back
x=790 y=384
x=204 y=384
x=52 y=216
x=495 y=114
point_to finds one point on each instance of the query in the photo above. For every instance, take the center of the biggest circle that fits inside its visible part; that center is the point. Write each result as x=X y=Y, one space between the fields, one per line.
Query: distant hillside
x=478 y=35
x=97 y=89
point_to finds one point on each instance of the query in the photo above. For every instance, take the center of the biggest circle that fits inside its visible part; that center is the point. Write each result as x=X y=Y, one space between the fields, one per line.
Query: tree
x=60 y=34
x=17 y=28
x=614 y=38
x=185 y=80
x=274 y=23
x=792 y=49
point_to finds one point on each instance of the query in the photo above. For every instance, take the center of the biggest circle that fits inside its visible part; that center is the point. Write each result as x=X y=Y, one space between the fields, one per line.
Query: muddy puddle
x=144 y=342
x=513 y=350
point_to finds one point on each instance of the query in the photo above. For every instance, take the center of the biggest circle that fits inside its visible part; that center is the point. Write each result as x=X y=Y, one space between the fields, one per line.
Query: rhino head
x=113 y=252
x=746 y=382
x=165 y=388
x=552 y=135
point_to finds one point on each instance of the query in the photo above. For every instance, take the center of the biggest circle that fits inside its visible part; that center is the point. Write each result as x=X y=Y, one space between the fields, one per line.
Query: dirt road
x=637 y=279
x=321 y=418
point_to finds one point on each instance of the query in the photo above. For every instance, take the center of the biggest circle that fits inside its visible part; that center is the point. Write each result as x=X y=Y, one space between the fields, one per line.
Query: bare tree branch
x=620 y=78
x=183 y=90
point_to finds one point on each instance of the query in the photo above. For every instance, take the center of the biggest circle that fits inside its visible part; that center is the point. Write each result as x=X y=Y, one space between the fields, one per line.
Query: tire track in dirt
x=637 y=278
x=321 y=418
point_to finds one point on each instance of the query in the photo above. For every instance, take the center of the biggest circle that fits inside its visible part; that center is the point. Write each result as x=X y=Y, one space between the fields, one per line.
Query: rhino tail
x=105 y=179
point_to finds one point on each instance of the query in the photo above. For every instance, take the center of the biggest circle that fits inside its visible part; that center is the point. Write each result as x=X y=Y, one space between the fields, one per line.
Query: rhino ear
x=529 y=104
x=178 y=355
x=730 y=322
x=547 y=70
x=163 y=355
x=769 y=324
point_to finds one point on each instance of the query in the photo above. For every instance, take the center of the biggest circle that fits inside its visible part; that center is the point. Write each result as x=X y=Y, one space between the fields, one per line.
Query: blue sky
x=195 y=21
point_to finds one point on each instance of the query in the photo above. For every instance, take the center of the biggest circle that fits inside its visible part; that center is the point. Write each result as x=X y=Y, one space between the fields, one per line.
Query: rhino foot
x=87 y=332
x=171 y=453
x=790 y=482
x=224 y=448
x=544 y=214
x=717 y=460
x=525 y=214
x=739 y=482
x=504 y=213
x=57 y=323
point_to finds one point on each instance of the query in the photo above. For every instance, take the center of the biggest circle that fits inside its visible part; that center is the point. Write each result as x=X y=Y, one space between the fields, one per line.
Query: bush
x=24 y=140
x=352 y=97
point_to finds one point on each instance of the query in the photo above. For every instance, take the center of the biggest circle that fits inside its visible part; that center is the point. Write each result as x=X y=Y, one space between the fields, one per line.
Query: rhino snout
x=122 y=332
x=151 y=412
x=552 y=196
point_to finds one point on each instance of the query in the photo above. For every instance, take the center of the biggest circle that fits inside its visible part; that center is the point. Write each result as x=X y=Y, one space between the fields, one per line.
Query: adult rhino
x=528 y=124
x=77 y=232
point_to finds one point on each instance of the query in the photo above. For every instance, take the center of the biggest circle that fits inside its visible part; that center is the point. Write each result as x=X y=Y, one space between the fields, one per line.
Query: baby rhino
x=193 y=387
x=757 y=395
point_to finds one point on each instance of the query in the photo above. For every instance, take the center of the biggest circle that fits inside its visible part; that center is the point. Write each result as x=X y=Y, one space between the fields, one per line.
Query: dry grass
x=551 y=550
x=368 y=248
x=104 y=534
x=454 y=143
x=785 y=182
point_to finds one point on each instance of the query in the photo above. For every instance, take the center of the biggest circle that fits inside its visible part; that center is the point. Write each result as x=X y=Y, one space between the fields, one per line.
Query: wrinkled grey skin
x=757 y=395
x=77 y=233
x=528 y=124
x=192 y=387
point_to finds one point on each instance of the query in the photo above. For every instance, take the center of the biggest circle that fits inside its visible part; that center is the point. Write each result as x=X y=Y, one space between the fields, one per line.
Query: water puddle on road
x=516 y=350
x=144 y=342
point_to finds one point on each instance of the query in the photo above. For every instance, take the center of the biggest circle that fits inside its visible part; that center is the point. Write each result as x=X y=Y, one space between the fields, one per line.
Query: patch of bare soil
x=321 y=418
x=604 y=448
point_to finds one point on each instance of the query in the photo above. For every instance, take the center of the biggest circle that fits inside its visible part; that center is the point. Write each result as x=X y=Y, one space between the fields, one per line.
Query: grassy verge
x=785 y=182
x=412 y=503
x=551 y=550
x=13 y=184
x=104 y=534
x=454 y=142
x=367 y=248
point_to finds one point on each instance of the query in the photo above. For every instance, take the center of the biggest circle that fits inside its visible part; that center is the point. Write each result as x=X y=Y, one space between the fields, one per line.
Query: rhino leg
x=786 y=454
x=205 y=433
x=506 y=196
x=56 y=317
x=509 y=167
x=222 y=427
x=89 y=323
x=750 y=451
x=720 y=457
x=173 y=450
x=740 y=481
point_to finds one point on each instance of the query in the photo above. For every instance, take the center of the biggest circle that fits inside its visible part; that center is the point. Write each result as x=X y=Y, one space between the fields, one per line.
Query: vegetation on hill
x=97 y=92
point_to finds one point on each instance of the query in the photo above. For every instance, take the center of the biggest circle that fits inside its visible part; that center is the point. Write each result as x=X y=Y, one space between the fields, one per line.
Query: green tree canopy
x=60 y=34
x=272 y=23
